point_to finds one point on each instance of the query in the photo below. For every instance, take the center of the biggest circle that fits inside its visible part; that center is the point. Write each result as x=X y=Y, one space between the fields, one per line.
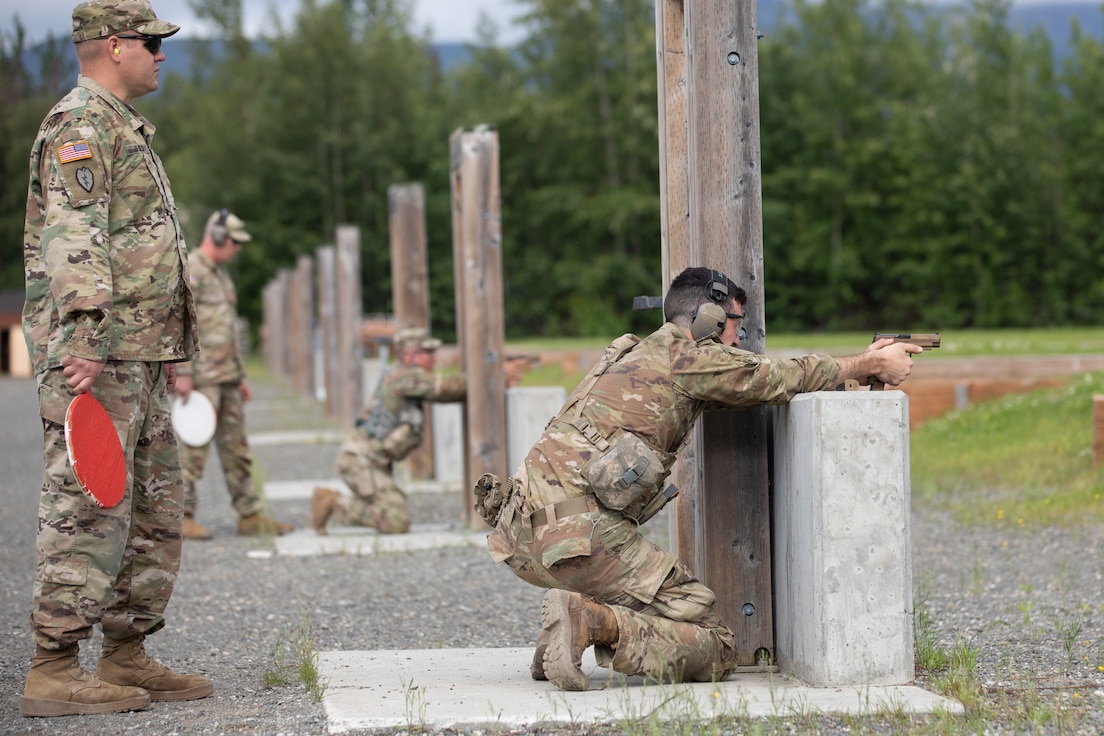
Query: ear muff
x=219 y=233
x=708 y=320
x=718 y=289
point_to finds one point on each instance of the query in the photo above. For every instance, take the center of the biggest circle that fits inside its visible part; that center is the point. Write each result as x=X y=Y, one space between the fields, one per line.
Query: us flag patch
x=74 y=152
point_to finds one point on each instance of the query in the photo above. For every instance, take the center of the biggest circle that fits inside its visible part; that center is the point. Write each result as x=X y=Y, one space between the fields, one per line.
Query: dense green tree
x=922 y=168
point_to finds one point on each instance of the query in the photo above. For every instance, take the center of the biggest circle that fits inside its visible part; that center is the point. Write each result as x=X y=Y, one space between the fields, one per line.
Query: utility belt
x=571 y=507
x=493 y=495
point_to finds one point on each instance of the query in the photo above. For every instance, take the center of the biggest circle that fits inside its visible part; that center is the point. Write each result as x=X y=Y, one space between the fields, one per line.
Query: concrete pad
x=300 y=437
x=476 y=688
x=292 y=490
x=364 y=541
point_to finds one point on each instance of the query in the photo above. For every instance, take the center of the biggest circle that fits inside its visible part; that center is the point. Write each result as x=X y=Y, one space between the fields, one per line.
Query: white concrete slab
x=364 y=541
x=474 y=688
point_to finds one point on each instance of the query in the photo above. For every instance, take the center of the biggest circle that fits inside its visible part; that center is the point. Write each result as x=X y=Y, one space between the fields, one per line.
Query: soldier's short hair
x=696 y=286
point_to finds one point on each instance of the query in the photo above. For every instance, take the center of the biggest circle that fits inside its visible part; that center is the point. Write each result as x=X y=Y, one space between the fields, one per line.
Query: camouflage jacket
x=401 y=395
x=104 y=257
x=657 y=391
x=217 y=306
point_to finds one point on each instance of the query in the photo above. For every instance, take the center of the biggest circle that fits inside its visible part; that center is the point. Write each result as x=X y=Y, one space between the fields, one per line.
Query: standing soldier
x=108 y=311
x=219 y=374
x=388 y=430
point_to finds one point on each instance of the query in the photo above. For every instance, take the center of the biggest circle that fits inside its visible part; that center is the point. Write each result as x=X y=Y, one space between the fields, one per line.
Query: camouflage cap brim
x=161 y=28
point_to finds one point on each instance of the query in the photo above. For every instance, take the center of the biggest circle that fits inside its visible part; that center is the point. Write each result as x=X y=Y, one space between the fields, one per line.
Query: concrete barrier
x=841 y=538
x=528 y=409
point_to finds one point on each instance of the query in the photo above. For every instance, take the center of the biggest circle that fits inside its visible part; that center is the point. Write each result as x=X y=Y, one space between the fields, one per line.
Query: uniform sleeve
x=75 y=235
x=452 y=387
x=736 y=378
x=415 y=383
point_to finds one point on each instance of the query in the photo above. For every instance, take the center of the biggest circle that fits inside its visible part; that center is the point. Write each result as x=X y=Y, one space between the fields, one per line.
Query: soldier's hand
x=243 y=389
x=184 y=386
x=170 y=377
x=80 y=373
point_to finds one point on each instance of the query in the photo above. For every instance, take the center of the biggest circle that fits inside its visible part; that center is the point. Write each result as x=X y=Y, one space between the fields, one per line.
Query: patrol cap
x=415 y=337
x=102 y=18
x=235 y=226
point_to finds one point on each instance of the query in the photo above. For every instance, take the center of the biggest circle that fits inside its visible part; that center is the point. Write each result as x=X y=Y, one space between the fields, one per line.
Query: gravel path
x=1030 y=602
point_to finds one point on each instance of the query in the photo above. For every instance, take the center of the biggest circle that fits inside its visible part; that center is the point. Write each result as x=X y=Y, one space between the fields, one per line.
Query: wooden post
x=350 y=347
x=275 y=324
x=410 y=289
x=1098 y=429
x=712 y=216
x=325 y=258
x=301 y=326
x=477 y=255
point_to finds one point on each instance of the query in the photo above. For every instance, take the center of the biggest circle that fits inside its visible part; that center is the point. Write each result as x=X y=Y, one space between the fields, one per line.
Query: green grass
x=958 y=343
x=1018 y=461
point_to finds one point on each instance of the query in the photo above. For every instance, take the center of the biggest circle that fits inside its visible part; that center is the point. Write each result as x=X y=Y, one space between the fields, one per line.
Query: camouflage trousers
x=670 y=630
x=116 y=567
x=233 y=452
x=377 y=502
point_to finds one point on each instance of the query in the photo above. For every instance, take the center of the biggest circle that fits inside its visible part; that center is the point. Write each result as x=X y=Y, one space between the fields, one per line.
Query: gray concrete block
x=841 y=538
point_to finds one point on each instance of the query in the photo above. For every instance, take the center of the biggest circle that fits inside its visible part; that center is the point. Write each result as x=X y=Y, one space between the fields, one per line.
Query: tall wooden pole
x=410 y=289
x=325 y=258
x=350 y=345
x=477 y=255
x=712 y=216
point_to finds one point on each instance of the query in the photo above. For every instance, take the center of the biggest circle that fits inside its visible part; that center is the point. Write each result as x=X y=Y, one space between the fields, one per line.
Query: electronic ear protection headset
x=709 y=318
x=219 y=232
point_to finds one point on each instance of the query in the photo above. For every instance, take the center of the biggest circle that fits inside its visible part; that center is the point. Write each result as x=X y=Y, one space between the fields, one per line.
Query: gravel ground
x=1029 y=602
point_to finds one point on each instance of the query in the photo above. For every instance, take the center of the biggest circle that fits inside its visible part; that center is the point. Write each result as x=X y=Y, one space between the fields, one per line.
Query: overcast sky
x=447 y=20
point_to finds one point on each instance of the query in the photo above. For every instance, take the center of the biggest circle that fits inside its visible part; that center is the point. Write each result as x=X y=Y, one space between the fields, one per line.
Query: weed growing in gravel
x=930 y=656
x=415 y=704
x=295 y=656
x=1070 y=631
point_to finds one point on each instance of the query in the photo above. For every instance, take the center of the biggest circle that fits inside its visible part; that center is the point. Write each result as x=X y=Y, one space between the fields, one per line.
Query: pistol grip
x=876 y=385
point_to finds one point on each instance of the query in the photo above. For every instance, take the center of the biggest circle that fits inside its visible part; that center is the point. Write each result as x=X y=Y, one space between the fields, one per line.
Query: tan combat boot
x=194 y=530
x=126 y=663
x=573 y=624
x=260 y=525
x=323 y=504
x=536 y=667
x=57 y=686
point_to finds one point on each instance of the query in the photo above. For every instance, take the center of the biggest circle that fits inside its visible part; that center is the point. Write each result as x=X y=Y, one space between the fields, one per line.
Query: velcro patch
x=75 y=151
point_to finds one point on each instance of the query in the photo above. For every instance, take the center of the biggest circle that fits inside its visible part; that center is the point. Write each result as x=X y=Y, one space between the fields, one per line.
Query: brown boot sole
x=44 y=708
x=559 y=664
x=192 y=693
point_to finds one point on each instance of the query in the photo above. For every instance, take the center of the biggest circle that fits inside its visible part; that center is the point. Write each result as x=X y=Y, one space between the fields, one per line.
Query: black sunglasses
x=152 y=43
x=736 y=317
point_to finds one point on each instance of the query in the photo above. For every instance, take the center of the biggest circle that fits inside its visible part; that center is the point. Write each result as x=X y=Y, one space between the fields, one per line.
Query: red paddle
x=94 y=451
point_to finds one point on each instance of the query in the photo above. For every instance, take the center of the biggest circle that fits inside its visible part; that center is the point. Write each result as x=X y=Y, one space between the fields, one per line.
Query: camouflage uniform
x=389 y=430
x=218 y=374
x=554 y=533
x=106 y=280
